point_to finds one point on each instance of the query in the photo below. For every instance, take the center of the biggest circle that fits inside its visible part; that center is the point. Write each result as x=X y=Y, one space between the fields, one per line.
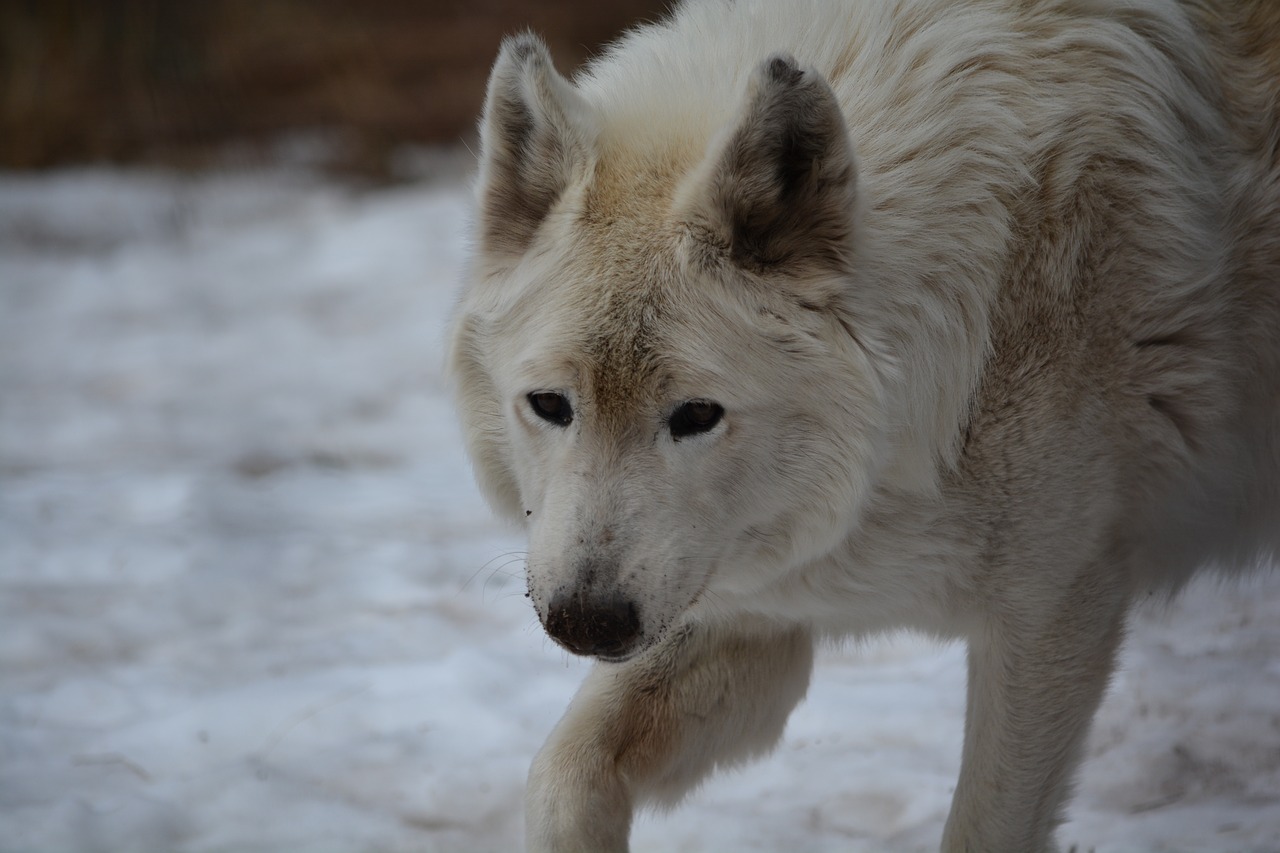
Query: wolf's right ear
x=534 y=137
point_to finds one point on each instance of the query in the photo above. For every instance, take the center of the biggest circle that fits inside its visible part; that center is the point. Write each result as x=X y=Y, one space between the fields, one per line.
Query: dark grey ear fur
x=780 y=190
x=533 y=137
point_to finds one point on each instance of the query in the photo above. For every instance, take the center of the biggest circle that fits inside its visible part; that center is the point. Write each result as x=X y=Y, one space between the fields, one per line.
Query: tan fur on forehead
x=624 y=351
x=629 y=186
x=624 y=266
x=637 y=277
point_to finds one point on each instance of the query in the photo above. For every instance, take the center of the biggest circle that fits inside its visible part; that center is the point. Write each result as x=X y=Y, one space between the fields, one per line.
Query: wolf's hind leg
x=650 y=729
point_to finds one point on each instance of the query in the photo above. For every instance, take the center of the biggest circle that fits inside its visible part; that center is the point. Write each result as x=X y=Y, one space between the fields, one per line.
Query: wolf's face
x=656 y=370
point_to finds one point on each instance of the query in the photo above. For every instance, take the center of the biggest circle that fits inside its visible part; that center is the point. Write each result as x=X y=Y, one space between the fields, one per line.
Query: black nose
x=606 y=627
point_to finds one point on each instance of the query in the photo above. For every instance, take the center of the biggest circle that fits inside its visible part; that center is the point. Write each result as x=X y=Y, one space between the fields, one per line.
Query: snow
x=251 y=600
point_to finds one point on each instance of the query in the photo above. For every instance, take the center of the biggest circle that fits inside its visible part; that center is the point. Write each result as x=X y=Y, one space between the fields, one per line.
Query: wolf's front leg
x=651 y=728
x=1034 y=685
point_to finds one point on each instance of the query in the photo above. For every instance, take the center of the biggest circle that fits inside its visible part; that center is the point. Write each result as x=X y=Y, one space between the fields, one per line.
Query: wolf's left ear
x=778 y=190
x=534 y=136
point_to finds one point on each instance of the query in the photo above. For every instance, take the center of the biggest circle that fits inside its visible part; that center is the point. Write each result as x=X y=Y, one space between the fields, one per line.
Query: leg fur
x=1034 y=686
x=650 y=729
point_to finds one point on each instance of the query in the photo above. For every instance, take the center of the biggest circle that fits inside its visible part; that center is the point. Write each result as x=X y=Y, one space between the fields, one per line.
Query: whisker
x=501 y=570
x=510 y=556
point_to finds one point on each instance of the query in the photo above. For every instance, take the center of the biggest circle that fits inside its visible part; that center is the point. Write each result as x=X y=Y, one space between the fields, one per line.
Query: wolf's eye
x=552 y=407
x=694 y=417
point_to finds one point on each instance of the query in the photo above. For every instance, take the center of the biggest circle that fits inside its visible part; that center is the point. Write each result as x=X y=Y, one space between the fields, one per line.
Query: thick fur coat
x=818 y=319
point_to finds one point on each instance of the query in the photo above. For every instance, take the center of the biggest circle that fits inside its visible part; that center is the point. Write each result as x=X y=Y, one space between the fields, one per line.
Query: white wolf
x=814 y=319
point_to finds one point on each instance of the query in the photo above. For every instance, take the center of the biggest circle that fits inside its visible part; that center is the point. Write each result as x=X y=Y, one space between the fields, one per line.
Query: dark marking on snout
x=605 y=627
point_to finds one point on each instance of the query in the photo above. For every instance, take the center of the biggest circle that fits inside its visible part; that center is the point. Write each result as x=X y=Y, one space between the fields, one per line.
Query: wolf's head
x=658 y=368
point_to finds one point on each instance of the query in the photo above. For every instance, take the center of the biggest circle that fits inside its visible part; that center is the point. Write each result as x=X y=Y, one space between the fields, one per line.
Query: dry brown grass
x=158 y=80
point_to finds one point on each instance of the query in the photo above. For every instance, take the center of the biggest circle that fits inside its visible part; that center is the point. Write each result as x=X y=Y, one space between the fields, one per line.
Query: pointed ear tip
x=522 y=48
x=519 y=56
x=784 y=71
x=781 y=68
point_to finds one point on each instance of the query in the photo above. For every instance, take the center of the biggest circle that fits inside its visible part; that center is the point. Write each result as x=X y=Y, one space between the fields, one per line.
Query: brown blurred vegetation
x=178 y=81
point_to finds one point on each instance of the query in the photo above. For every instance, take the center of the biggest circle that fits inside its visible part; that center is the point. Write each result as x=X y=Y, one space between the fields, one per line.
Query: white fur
x=988 y=292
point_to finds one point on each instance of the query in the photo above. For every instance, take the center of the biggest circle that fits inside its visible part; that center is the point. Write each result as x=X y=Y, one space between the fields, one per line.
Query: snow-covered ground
x=251 y=601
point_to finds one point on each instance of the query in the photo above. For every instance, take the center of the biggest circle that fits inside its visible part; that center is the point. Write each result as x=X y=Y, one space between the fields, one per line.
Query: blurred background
x=345 y=86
